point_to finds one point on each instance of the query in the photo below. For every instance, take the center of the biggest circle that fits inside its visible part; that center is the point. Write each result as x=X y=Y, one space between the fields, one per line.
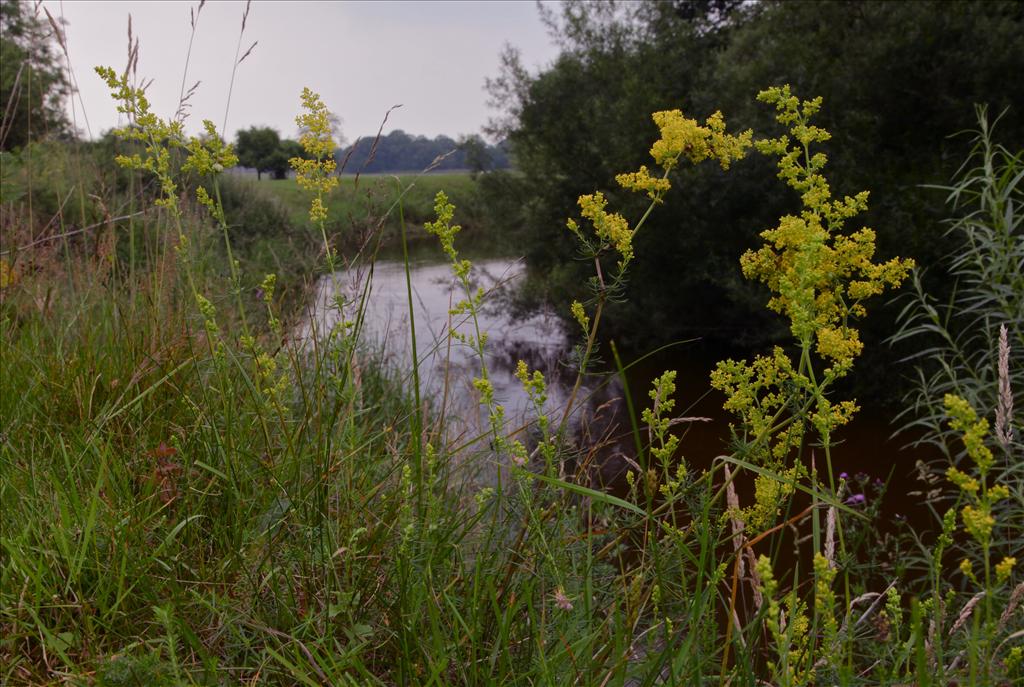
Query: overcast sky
x=363 y=57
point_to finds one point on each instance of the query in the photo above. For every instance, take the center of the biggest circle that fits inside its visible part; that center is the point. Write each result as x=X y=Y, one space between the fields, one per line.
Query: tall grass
x=959 y=339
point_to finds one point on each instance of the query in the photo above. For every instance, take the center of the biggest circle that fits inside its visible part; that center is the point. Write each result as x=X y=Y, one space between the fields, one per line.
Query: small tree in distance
x=263 y=149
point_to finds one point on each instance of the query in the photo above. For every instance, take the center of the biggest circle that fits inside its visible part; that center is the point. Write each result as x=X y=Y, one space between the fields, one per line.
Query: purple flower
x=843 y=475
x=855 y=500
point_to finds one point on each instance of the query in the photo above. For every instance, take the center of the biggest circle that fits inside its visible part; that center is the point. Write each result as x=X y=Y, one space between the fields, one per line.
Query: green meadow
x=369 y=199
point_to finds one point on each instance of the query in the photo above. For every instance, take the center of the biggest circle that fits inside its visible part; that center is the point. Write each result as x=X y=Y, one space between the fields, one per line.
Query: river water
x=447 y=366
x=599 y=424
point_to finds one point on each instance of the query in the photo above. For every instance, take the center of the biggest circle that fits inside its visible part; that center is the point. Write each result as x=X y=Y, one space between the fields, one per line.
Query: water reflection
x=447 y=365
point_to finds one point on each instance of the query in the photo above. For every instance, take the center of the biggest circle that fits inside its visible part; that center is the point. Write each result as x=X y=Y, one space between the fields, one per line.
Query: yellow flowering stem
x=602 y=297
x=417 y=427
x=738 y=555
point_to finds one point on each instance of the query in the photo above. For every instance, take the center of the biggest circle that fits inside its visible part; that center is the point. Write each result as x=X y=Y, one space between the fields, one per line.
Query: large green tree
x=897 y=79
x=32 y=83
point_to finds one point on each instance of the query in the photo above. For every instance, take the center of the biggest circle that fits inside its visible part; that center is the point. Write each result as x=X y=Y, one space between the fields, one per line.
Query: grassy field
x=367 y=201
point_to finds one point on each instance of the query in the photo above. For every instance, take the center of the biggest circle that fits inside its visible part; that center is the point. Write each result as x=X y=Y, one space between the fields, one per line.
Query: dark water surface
x=447 y=368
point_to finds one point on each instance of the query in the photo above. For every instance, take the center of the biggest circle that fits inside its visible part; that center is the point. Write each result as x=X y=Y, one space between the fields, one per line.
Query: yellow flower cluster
x=536 y=390
x=967 y=569
x=273 y=385
x=580 y=315
x=757 y=392
x=156 y=135
x=962 y=480
x=658 y=418
x=206 y=155
x=976 y=515
x=534 y=384
x=209 y=313
x=978 y=522
x=316 y=173
x=209 y=154
x=789 y=628
x=825 y=598
x=770 y=494
x=611 y=228
x=445 y=231
x=1004 y=568
x=964 y=419
x=317 y=138
x=819 y=278
x=681 y=136
x=641 y=180
x=9 y=276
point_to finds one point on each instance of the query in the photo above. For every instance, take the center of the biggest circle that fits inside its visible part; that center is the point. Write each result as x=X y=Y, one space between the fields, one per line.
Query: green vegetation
x=262 y=149
x=32 y=81
x=399 y=152
x=195 y=493
x=900 y=77
x=360 y=206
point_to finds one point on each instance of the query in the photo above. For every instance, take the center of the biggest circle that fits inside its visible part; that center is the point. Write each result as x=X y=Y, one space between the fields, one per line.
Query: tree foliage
x=897 y=80
x=32 y=83
x=263 y=149
x=399 y=151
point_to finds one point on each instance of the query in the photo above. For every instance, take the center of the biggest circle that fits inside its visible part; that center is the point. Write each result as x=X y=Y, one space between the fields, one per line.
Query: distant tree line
x=263 y=149
x=399 y=151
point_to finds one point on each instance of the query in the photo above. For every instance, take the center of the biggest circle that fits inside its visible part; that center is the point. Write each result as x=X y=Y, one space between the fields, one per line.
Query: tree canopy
x=32 y=83
x=399 y=151
x=897 y=80
x=263 y=149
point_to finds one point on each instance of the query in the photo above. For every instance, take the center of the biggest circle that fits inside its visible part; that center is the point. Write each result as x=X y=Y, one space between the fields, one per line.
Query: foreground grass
x=179 y=511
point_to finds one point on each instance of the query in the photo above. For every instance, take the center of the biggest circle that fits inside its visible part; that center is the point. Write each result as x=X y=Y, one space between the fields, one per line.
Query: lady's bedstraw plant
x=680 y=138
x=978 y=521
x=819 y=277
x=317 y=172
x=207 y=156
x=157 y=136
x=469 y=306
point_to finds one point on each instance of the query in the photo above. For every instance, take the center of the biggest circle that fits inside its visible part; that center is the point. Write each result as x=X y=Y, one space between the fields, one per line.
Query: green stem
x=417 y=427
